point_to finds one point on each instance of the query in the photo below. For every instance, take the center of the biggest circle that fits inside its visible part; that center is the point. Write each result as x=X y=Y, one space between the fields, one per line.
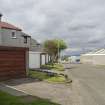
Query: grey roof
x=35 y=46
x=97 y=52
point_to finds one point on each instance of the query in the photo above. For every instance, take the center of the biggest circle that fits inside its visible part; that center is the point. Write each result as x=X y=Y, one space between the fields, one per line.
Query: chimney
x=0 y=17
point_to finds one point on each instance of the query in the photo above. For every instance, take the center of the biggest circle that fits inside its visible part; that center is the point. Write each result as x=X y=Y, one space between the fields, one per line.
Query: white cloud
x=72 y=49
x=79 y=22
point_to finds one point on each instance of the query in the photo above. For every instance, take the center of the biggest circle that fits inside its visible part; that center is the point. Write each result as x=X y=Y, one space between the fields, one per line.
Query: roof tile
x=9 y=26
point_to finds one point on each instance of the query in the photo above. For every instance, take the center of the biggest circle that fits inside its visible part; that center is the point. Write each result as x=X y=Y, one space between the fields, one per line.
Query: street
x=91 y=81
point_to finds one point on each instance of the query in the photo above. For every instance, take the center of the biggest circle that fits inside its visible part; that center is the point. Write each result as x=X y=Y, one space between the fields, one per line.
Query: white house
x=36 y=59
x=37 y=56
x=95 y=57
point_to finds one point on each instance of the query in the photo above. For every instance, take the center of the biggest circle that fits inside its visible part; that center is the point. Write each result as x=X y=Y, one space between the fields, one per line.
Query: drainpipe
x=0 y=17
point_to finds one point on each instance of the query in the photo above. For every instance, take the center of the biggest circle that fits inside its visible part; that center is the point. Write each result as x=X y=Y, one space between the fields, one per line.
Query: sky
x=80 y=23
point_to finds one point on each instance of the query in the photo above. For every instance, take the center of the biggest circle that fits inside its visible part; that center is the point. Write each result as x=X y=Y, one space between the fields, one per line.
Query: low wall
x=99 y=59
x=86 y=59
x=93 y=59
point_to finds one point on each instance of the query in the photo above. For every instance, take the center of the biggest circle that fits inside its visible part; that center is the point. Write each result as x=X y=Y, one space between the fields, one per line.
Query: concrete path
x=59 y=93
x=8 y=89
x=91 y=83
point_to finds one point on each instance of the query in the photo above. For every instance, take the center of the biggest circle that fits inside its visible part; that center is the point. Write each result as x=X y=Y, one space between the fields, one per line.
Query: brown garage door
x=12 y=63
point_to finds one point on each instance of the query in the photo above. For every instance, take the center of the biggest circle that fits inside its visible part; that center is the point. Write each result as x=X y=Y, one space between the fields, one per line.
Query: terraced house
x=15 y=46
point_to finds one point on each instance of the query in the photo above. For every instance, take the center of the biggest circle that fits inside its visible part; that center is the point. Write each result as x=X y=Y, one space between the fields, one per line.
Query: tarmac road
x=91 y=82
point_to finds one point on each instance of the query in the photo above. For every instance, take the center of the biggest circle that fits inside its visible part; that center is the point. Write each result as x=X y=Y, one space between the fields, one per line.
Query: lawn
x=38 y=75
x=57 y=79
x=44 y=76
x=7 y=99
x=55 y=66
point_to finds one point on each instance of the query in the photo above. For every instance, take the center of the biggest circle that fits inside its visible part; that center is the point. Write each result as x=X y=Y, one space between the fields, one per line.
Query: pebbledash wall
x=86 y=59
x=96 y=58
x=99 y=59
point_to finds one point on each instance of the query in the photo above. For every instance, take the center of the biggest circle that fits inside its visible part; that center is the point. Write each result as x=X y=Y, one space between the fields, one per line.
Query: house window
x=13 y=35
x=25 y=39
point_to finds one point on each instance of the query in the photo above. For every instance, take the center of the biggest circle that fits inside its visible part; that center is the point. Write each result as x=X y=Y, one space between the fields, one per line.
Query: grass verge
x=38 y=75
x=46 y=77
x=7 y=99
x=55 y=66
x=57 y=79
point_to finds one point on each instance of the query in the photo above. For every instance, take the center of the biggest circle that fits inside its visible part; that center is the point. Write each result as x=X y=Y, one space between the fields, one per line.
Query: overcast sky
x=81 y=23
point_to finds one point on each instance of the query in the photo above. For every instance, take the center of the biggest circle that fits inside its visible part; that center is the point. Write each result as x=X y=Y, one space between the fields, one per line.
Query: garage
x=34 y=60
x=13 y=62
x=43 y=56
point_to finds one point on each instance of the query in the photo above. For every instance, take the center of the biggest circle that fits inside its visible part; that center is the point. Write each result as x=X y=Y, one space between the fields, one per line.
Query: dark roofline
x=6 y=48
x=24 y=34
x=11 y=28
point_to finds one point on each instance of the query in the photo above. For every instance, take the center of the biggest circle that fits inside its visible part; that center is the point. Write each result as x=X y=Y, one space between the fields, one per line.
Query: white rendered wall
x=34 y=60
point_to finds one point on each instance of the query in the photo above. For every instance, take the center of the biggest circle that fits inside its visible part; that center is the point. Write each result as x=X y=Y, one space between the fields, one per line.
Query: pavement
x=59 y=93
x=12 y=91
x=91 y=83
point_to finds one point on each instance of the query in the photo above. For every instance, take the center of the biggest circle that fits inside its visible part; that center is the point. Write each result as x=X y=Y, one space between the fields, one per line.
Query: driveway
x=59 y=93
x=91 y=82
